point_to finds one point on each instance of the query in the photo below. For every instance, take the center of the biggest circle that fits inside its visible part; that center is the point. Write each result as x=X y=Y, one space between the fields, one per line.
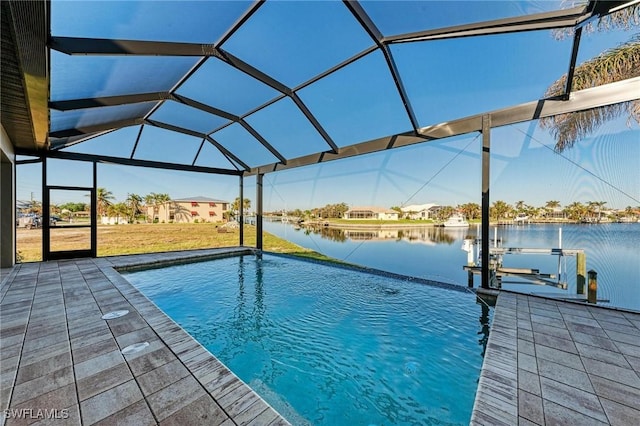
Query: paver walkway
x=550 y=362
x=60 y=359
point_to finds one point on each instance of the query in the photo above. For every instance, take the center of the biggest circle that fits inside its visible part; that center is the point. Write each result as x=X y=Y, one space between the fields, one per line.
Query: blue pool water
x=331 y=346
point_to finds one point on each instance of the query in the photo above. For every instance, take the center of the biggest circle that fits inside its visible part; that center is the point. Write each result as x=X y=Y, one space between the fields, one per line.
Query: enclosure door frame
x=47 y=254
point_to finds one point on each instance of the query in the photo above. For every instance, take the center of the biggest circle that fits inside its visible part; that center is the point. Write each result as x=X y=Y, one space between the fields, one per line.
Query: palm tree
x=246 y=204
x=552 y=204
x=576 y=211
x=103 y=198
x=629 y=211
x=446 y=212
x=470 y=210
x=133 y=201
x=596 y=206
x=619 y=63
x=500 y=209
x=533 y=212
x=341 y=209
x=164 y=199
x=118 y=210
x=150 y=200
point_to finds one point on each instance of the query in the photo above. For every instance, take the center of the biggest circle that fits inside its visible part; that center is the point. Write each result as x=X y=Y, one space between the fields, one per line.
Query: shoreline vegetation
x=499 y=211
x=407 y=223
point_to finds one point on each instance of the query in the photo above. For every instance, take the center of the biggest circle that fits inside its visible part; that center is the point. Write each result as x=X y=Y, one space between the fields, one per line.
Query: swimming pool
x=331 y=346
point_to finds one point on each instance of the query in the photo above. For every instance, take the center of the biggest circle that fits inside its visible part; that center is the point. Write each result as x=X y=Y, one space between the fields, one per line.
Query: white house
x=371 y=213
x=420 y=211
x=555 y=213
x=111 y=220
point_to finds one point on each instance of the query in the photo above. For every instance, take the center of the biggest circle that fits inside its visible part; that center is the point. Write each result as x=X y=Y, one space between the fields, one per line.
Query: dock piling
x=593 y=287
x=581 y=272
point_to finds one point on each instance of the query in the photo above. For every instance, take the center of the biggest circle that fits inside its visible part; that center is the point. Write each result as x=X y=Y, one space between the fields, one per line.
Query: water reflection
x=258 y=309
x=428 y=235
x=484 y=325
x=239 y=310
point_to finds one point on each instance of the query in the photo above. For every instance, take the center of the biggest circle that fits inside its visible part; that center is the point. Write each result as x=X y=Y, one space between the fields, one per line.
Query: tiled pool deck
x=547 y=362
x=550 y=362
x=58 y=355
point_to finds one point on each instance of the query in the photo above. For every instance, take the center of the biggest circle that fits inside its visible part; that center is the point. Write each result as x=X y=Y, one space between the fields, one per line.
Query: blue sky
x=444 y=79
x=523 y=167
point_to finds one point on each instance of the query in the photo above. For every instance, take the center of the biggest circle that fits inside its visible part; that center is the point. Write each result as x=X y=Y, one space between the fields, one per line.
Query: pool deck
x=550 y=362
x=60 y=359
x=547 y=362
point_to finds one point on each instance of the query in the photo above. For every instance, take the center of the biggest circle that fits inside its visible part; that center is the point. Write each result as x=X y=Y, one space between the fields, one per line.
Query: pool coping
x=379 y=272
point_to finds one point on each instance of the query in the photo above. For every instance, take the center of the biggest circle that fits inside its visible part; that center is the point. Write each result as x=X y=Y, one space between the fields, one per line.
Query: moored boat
x=456 y=221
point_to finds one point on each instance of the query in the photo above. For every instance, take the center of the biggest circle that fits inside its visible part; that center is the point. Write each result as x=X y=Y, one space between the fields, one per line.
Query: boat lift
x=498 y=271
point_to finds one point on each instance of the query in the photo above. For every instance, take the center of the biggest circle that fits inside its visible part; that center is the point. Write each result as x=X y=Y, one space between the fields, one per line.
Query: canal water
x=612 y=250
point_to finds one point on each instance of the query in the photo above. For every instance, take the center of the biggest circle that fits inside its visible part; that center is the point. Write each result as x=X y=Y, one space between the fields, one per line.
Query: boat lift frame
x=496 y=271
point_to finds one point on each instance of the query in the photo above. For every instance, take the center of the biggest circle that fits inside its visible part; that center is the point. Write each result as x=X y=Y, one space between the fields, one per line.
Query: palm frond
x=619 y=63
x=567 y=129
x=624 y=18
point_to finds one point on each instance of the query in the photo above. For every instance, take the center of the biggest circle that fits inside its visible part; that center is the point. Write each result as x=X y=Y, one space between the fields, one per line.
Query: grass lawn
x=149 y=238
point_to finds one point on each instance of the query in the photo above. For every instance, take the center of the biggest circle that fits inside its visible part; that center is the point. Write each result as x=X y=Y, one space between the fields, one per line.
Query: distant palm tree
x=500 y=209
x=118 y=210
x=552 y=204
x=596 y=207
x=470 y=210
x=150 y=200
x=164 y=199
x=133 y=201
x=576 y=211
x=445 y=212
x=533 y=211
x=619 y=63
x=103 y=198
x=246 y=204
